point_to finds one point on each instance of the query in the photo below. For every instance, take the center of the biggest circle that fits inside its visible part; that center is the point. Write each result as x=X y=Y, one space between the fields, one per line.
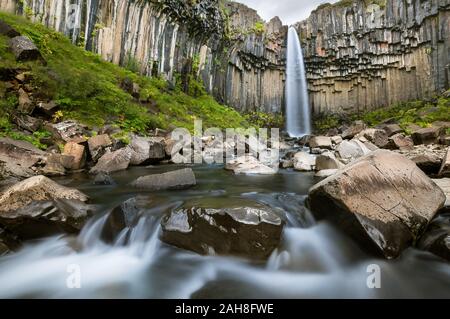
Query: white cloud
x=290 y=11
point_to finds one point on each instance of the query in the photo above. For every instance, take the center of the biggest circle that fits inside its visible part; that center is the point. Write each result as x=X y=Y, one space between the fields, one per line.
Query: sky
x=289 y=11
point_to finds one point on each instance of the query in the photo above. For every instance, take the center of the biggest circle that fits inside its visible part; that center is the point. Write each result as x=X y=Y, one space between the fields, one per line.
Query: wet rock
x=349 y=151
x=78 y=152
x=113 y=161
x=378 y=137
x=353 y=130
x=304 y=162
x=146 y=150
x=26 y=106
x=327 y=161
x=24 y=49
x=251 y=230
x=7 y=30
x=445 y=167
x=121 y=217
x=179 y=179
x=400 y=142
x=322 y=142
x=390 y=129
x=436 y=238
x=36 y=188
x=249 y=165
x=429 y=135
x=103 y=179
x=99 y=145
x=382 y=200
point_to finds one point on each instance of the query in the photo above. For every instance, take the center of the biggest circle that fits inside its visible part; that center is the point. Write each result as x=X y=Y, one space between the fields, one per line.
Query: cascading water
x=298 y=117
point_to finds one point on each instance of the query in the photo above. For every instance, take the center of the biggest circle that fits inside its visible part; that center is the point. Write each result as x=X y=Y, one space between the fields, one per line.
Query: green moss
x=88 y=89
x=265 y=120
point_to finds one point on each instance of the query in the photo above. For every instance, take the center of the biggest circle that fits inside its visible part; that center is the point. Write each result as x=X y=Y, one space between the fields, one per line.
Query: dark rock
x=179 y=179
x=103 y=179
x=28 y=123
x=436 y=238
x=383 y=200
x=429 y=162
x=99 y=145
x=123 y=216
x=444 y=171
x=429 y=135
x=19 y=158
x=113 y=161
x=353 y=130
x=251 y=230
x=26 y=106
x=24 y=49
x=378 y=137
x=7 y=30
x=131 y=88
x=390 y=129
x=48 y=109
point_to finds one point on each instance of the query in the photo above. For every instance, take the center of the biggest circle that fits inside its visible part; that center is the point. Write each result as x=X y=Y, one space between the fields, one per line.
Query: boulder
x=24 y=49
x=327 y=161
x=99 y=145
x=146 y=150
x=436 y=238
x=326 y=172
x=54 y=165
x=444 y=185
x=179 y=179
x=349 y=151
x=20 y=158
x=36 y=188
x=390 y=129
x=336 y=139
x=304 y=162
x=445 y=167
x=48 y=109
x=78 y=153
x=28 y=123
x=429 y=135
x=113 y=161
x=400 y=142
x=383 y=200
x=7 y=30
x=378 y=137
x=249 y=165
x=353 y=130
x=247 y=229
x=323 y=142
x=428 y=162
x=121 y=217
x=68 y=131
x=26 y=106
x=103 y=179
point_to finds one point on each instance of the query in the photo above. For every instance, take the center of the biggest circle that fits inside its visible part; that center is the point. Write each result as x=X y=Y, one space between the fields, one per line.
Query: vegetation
x=266 y=120
x=88 y=89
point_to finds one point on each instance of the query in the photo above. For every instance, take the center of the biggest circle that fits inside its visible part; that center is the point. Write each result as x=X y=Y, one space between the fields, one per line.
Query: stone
x=287 y=164
x=20 y=158
x=304 y=162
x=429 y=135
x=7 y=30
x=68 y=131
x=24 y=49
x=323 y=142
x=147 y=150
x=444 y=185
x=444 y=171
x=36 y=188
x=125 y=215
x=348 y=151
x=391 y=129
x=378 y=137
x=103 y=179
x=326 y=172
x=26 y=106
x=336 y=139
x=54 y=165
x=178 y=179
x=131 y=87
x=78 y=152
x=99 y=145
x=327 y=161
x=28 y=123
x=353 y=130
x=248 y=164
x=249 y=230
x=436 y=238
x=428 y=162
x=382 y=200
x=445 y=140
x=49 y=108
x=113 y=161
x=400 y=142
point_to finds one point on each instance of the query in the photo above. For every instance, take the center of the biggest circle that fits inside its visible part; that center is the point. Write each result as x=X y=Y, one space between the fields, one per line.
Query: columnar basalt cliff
x=239 y=58
x=370 y=54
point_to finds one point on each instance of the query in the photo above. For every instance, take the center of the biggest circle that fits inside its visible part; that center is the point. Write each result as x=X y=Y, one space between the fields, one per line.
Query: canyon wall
x=239 y=62
x=375 y=53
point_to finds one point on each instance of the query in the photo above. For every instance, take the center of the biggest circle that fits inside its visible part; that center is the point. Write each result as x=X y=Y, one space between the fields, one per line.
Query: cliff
x=239 y=58
x=366 y=54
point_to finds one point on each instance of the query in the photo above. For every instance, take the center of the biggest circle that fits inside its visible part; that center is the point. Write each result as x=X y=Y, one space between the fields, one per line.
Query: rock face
x=248 y=231
x=360 y=55
x=179 y=179
x=168 y=37
x=381 y=198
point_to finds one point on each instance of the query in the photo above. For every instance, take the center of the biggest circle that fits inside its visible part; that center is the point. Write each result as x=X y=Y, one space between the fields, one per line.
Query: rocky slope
x=361 y=55
x=240 y=60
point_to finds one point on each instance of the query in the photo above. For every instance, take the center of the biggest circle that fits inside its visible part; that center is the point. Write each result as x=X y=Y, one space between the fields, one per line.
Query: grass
x=87 y=89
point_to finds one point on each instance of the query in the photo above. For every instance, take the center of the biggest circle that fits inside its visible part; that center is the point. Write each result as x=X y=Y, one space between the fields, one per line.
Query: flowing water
x=313 y=260
x=298 y=117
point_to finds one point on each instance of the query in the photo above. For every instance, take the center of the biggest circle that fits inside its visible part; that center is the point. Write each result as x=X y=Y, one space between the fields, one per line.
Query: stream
x=314 y=260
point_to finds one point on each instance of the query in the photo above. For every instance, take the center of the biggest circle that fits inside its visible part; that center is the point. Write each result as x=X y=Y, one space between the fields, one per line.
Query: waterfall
x=298 y=117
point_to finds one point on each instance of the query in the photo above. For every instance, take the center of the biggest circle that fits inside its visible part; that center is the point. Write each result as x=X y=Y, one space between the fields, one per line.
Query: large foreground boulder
x=179 y=179
x=251 y=230
x=382 y=199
